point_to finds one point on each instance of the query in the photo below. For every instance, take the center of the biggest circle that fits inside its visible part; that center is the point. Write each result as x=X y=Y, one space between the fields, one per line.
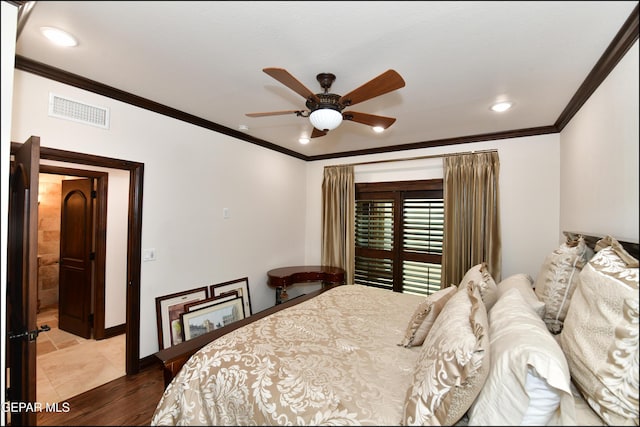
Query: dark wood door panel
x=22 y=280
x=75 y=281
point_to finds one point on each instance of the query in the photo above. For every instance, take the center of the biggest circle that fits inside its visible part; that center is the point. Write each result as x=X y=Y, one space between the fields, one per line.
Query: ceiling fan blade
x=317 y=133
x=274 y=113
x=284 y=77
x=368 y=119
x=386 y=82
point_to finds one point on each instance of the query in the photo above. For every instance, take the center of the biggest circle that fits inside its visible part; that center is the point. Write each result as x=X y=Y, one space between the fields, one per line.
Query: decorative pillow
x=600 y=336
x=529 y=376
x=453 y=363
x=480 y=275
x=424 y=316
x=557 y=280
x=628 y=260
x=524 y=284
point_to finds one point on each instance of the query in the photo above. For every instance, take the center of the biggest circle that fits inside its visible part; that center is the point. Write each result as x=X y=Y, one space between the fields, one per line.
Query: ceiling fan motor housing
x=326 y=100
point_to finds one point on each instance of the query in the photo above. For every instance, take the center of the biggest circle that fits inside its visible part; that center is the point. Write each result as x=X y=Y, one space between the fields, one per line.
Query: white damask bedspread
x=333 y=359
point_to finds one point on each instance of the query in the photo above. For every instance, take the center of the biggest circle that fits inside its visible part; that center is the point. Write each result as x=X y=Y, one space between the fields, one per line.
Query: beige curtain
x=338 y=219
x=472 y=216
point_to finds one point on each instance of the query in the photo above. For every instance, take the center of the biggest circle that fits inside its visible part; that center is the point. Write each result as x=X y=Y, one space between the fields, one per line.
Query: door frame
x=134 y=237
x=99 y=236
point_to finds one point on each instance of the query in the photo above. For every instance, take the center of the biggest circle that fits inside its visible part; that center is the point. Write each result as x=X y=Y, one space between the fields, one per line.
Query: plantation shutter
x=399 y=236
x=423 y=231
x=374 y=238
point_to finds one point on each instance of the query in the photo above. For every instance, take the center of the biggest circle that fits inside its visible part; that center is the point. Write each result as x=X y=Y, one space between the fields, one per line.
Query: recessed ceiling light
x=59 y=37
x=378 y=129
x=243 y=127
x=303 y=140
x=499 y=107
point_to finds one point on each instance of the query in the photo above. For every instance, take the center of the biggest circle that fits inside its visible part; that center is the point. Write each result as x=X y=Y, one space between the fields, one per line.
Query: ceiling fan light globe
x=325 y=119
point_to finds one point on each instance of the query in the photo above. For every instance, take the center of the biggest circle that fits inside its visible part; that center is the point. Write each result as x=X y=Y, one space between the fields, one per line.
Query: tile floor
x=68 y=365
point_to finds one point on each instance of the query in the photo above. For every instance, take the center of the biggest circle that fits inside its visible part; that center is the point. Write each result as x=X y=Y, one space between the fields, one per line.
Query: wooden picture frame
x=212 y=317
x=197 y=305
x=168 y=310
x=239 y=285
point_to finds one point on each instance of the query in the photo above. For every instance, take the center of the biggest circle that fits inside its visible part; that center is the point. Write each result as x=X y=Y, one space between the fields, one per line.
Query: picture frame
x=197 y=305
x=212 y=317
x=168 y=310
x=239 y=285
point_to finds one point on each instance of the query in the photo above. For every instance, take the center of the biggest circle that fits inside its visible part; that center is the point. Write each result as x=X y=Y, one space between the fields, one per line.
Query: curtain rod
x=433 y=156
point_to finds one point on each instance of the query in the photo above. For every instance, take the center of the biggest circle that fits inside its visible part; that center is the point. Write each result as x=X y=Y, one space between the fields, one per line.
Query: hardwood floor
x=126 y=401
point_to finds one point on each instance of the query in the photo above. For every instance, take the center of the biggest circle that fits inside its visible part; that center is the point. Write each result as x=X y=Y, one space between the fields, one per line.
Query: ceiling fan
x=325 y=110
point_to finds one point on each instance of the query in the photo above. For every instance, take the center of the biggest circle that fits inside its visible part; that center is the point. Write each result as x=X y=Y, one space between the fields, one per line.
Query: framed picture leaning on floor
x=239 y=285
x=168 y=311
x=211 y=317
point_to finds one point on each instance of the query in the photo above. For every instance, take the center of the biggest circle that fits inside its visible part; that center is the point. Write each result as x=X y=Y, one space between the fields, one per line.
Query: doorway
x=22 y=264
x=79 y=295
x=76 y=285
x=134 y=234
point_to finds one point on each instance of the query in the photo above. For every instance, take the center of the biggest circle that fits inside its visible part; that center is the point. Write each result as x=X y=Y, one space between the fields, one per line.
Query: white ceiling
x=206 y=59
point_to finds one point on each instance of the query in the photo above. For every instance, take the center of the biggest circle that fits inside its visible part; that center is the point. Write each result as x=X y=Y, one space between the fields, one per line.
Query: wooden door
x=75 y=277
x=22 y=280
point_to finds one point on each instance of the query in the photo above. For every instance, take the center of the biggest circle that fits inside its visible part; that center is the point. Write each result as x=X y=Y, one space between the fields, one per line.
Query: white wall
x=529 y=193
x=190 y=175
x=599 y=157
x=9 y=15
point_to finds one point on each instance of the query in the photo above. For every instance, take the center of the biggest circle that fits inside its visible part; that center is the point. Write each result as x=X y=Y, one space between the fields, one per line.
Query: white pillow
x=529 y=378
x=523 y=283
x=543 y=400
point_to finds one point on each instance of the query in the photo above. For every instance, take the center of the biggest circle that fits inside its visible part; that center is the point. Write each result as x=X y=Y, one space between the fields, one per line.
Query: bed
x=480 y=353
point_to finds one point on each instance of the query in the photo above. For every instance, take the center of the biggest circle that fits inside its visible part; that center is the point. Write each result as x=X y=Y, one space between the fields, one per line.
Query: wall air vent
x=69 y=109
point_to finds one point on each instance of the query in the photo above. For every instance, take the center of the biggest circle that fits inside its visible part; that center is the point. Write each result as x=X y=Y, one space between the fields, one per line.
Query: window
x=399 y=229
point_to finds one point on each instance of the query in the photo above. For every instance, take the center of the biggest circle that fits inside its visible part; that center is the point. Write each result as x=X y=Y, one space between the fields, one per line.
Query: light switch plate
x=149 y=254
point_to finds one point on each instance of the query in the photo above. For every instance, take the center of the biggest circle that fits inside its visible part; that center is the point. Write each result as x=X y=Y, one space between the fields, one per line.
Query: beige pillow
x=600 y=336
x=424 y=316
x=628 y=260
x=484 y=280
x=529 y=381
x=524 y=284
x=557 y=280
x=453 y=363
